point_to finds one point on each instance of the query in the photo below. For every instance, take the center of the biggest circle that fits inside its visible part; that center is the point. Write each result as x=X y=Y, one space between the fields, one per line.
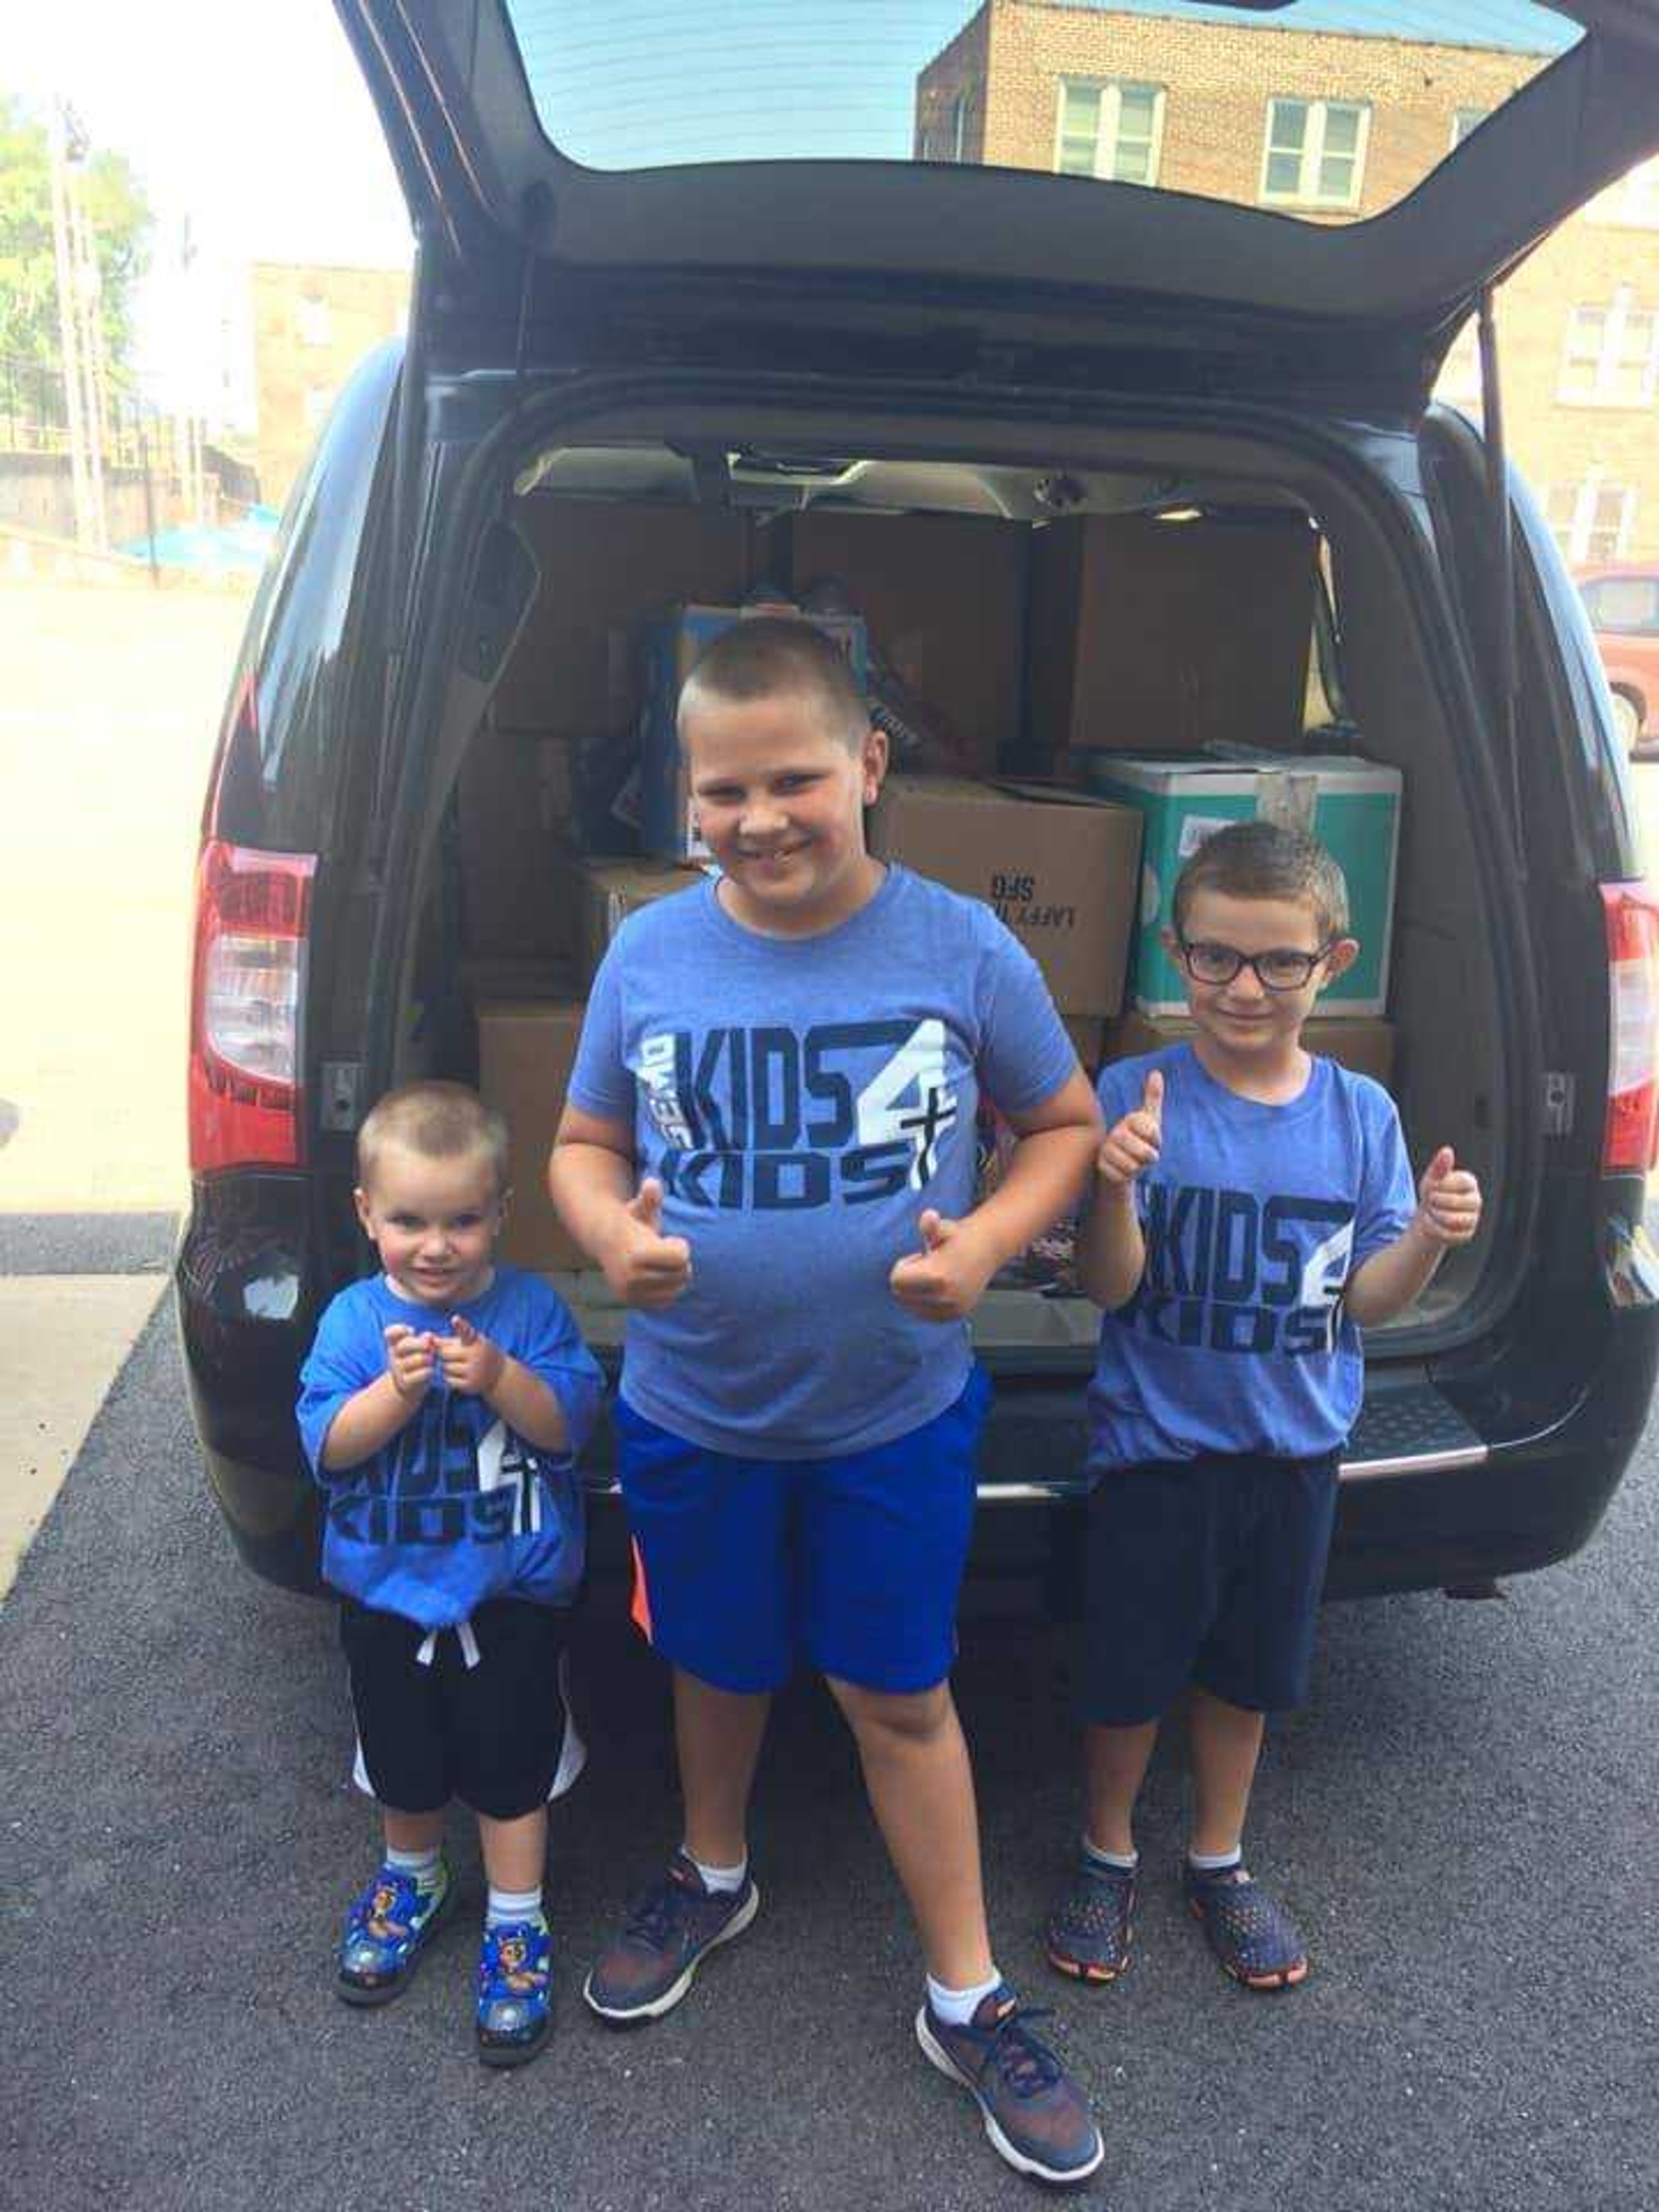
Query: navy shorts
x=1206 y=1570
x=744 y=1569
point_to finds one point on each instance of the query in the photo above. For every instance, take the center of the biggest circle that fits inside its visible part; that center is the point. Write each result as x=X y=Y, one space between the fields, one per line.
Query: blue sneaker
x=1037 y=2117
x=515 y=1992
x=669 y=1932
x=386 y=1930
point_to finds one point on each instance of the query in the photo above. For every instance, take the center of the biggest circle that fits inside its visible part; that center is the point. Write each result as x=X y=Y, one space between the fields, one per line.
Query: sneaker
x=515 y=1992
x=1037 y=2118
x=669 y=1932
x=1256 y=1939
x=1088 y=1932
x=386 y=1930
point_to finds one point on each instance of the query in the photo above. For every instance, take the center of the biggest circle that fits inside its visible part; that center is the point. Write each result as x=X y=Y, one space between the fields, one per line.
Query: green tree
x=120 y=222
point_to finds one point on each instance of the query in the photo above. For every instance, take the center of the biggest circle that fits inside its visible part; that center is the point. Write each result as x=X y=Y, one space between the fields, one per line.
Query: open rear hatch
x=629 y=167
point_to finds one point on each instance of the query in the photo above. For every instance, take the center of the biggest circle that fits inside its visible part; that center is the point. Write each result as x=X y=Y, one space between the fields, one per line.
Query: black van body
x=1493 y=1437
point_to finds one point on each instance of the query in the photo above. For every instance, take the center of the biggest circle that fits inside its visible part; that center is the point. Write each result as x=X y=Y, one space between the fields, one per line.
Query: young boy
x=1252 y=1210
x=443 y=1403
x=769 y=1148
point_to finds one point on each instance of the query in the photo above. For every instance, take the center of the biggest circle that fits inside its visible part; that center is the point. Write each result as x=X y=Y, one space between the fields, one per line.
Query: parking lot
x=1464 y=1819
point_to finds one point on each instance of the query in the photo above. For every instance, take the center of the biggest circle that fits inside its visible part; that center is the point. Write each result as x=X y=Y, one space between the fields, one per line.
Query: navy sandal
x=1256 y=1940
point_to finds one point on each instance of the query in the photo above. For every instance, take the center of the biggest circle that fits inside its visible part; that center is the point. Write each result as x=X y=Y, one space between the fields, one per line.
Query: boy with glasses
x=1253 y=1209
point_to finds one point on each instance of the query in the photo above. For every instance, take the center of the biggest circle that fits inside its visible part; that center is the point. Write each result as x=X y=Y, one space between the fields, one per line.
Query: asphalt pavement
x=1464 y=1821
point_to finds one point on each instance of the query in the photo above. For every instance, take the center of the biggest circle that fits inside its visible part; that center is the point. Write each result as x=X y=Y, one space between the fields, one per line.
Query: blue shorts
x=745 y=1568
x=1206 y=1570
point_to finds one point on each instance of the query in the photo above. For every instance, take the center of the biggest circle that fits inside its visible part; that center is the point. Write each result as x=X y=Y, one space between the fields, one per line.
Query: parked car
x=678 y=357
x=1623 y=603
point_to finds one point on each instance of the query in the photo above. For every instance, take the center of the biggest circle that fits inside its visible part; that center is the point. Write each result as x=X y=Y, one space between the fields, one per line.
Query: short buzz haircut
x=1260 y=860
x=766 y=655
x=436 y=1121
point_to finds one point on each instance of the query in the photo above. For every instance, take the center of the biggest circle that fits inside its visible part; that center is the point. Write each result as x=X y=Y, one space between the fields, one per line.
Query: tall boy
x=768 y=1149
x=442 y=1404
x=1252 y=1210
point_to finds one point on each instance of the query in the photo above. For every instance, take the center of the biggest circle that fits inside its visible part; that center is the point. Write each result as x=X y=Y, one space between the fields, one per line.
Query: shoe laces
x=1021 y=2059
x=656 y=1915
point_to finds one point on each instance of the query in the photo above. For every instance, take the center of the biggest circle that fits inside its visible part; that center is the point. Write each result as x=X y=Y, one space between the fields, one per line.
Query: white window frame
x=956 y=119
x=1111 y=90
x=319 y=399
x=1585 y=497
x=1615 y=316
x=316 y=321
x=1312 y=151
x=1632 y=201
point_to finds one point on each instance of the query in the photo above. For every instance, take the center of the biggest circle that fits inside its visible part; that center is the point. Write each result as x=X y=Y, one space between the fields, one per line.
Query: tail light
x=253 y=910
x=1632 y=1124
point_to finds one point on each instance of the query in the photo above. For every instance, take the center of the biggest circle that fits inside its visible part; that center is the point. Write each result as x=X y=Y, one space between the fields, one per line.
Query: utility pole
x=68 y=331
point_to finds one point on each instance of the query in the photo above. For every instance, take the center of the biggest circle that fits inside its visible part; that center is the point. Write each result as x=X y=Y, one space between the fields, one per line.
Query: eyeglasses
x=1280 y=970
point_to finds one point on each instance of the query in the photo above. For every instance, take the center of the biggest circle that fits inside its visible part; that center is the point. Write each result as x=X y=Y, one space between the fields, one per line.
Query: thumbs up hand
x=946 y=1279
x=1448 y=1201
x=1133 y=1144
x=644 y=1267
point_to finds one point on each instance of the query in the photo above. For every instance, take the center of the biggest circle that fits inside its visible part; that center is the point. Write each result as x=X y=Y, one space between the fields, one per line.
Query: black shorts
x=1206 y=1570
x=498 y=1734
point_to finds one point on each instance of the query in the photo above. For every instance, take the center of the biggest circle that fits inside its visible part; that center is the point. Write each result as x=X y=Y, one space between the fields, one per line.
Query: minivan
x=671 y=293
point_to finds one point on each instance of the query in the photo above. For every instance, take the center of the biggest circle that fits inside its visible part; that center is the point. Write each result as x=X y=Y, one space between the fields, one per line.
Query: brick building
x=1332 y=126
x=311 y=326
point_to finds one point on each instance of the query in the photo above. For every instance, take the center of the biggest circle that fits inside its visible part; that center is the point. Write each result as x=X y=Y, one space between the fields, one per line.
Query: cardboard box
x=1351 y=805
x=606 y=567
x=517 y=890
x=944 y=599
x=1058 y=867
x=608 y=892
x=527 y=1049
x=1167 y=635
x=673 y=644
x=1088 y=1040
x=1362 y=1043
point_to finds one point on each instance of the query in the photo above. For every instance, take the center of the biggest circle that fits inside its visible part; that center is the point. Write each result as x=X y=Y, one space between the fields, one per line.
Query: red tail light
x=1632 y=1124
x=253 y=910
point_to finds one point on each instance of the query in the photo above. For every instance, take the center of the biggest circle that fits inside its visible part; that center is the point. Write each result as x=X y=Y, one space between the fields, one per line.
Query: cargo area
x=1081 y=674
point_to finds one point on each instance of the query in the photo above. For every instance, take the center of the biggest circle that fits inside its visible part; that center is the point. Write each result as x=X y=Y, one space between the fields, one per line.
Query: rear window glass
x=1624 y=603
x=1323 y=110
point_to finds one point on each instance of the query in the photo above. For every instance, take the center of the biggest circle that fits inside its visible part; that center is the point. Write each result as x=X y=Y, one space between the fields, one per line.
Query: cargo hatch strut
x=1497 y=487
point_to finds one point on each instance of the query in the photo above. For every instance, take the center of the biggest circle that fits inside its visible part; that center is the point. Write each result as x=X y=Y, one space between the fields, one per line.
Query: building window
x=1109 y=129
x=1612 y=354
x=318 y=400
x=316 y=322
x=1465 y=120
x=1316 y=153
x=1633 y=201
x=1591 y=520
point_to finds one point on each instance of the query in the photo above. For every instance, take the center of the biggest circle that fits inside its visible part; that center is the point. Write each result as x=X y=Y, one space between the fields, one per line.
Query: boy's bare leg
x=514 y=1852
x=1227 y=1743
x=922 y=1791
x=412 y=1832
x=718 y=1735
x=1115 y=1761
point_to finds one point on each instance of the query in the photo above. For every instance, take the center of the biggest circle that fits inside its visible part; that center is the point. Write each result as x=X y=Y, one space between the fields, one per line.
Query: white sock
x=720 y=1881
x=1125 y=1862
x=1215 y=1861
x=955 y=2008
x=424 y=1869
x=506 y=1904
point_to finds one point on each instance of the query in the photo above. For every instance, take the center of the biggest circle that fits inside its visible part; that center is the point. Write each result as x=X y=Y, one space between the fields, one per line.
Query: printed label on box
x=1198 y=829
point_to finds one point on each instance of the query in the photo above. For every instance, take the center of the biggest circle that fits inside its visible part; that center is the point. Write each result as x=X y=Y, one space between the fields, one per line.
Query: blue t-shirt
x=1253 y=1218
x=457 y=1507
x=803 y=1100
